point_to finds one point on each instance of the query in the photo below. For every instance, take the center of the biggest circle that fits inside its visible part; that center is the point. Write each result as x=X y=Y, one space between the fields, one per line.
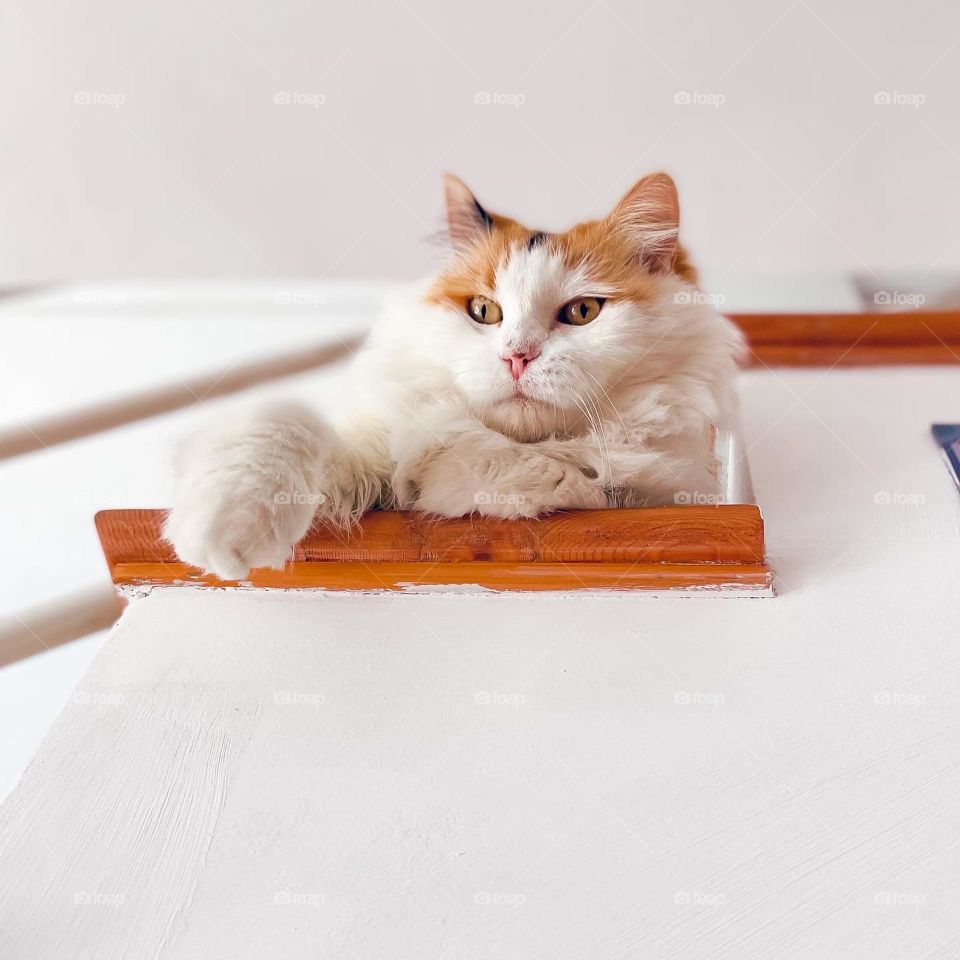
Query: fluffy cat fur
x=514 y=419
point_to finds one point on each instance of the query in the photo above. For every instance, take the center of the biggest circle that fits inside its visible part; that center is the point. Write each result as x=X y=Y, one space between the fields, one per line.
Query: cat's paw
x=544 y=485
x=562 y=486
x=247 y=493
x=228 y=535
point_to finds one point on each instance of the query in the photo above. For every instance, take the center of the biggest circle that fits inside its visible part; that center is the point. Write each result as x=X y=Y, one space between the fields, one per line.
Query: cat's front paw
x=247 y=494
x=539 y=487
x=563 y=486
x=226 y=534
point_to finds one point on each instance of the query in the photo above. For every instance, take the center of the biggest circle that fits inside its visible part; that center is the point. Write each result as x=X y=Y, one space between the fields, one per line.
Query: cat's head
x=541 y=330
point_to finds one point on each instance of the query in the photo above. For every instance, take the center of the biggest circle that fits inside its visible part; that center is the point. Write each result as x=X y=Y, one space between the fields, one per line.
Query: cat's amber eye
x=484 y=311
x=579 y=312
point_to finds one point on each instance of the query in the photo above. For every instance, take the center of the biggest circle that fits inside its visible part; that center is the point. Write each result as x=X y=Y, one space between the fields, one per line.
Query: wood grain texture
x=407 y=577
x=657 y=548
x=851 y=339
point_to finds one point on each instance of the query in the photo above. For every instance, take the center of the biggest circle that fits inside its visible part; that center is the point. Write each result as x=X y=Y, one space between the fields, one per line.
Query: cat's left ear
x=467 y=221
x=649 y=218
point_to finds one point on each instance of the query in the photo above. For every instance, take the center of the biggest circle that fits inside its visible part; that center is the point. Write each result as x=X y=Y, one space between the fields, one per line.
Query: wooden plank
x=852 y=339
x=728 y=533
x=496 y=576
x=838 y=355
x=914 y=326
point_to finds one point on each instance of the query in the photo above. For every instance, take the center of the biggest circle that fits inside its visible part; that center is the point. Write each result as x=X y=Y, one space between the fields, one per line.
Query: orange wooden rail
x=851 y=339
x=659 y=548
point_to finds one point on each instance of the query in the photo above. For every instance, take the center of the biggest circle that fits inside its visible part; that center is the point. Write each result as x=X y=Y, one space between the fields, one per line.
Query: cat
x=536 y=372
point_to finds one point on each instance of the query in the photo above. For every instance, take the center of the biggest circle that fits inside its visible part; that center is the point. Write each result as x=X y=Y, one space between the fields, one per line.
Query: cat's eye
x=484 y=311
x=579 y=312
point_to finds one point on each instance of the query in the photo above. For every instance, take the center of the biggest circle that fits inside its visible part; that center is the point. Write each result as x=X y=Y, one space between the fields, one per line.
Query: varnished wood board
x=659 y=548
x=414 y=576
x=851 y=339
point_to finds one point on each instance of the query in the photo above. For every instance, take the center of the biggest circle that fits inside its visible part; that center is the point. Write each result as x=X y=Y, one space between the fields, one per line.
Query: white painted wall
x=199 y=171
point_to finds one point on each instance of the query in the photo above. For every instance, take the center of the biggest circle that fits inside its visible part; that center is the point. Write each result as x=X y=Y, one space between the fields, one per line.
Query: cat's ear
x=467 y=221
x=648 y=217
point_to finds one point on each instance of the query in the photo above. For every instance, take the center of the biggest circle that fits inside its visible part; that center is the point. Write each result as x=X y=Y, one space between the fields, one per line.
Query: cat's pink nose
x=518 y=361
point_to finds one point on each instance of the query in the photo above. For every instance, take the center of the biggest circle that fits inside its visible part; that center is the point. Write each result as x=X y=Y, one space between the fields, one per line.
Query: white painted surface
x=32 y=694
x=266 y=775
x=66 y=347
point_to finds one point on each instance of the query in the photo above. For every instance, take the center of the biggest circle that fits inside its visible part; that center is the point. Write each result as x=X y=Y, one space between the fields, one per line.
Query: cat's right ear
x=467 y=221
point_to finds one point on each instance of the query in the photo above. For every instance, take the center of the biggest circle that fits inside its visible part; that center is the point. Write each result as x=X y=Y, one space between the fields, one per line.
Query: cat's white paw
x=542 y=486
x=560 y=486
x=247 y=491
x=228 y=534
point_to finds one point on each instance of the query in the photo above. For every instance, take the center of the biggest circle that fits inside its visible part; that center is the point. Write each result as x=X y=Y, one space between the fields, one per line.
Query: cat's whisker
x=597 y=424
x=595 y=428
x=602 y=435
x=613 y=406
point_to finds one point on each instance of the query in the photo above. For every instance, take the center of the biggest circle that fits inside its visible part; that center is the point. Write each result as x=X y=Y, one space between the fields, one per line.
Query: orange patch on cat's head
x=473 y=271
x=623 y=252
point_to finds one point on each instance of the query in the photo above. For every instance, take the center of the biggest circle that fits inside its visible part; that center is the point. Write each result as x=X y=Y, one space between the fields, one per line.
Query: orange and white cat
x=537 y=372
